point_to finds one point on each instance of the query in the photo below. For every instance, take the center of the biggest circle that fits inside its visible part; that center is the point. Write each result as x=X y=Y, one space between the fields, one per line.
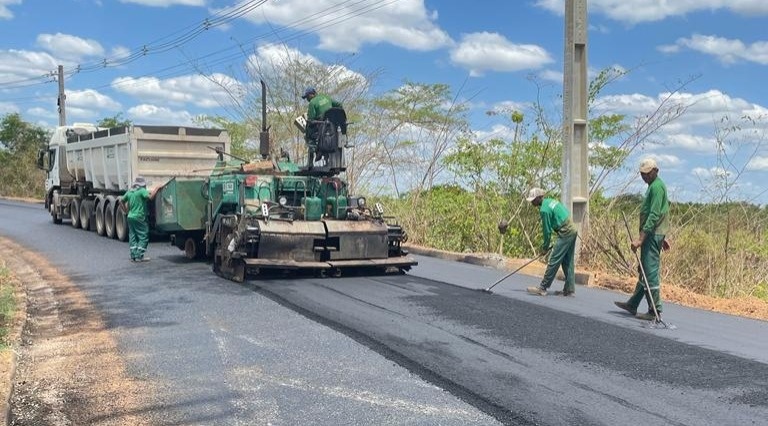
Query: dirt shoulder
x=67 y=368
x=751 y=307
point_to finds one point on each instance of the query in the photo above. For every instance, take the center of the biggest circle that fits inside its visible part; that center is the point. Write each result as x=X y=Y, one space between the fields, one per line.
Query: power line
x=365 y=6
x=221 y=18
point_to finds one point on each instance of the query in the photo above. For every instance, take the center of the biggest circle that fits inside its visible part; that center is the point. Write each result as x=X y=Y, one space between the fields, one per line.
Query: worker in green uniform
x=318 y=105
x=653 y=228
x=555 y=218
x=134 y=202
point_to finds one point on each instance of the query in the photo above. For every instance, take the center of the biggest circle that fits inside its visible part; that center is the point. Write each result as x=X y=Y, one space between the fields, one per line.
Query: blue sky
x=489 y=49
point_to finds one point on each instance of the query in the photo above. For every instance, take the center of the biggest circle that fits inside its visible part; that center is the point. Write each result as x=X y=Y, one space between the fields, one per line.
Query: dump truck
x=90 y=168
x=269 y=213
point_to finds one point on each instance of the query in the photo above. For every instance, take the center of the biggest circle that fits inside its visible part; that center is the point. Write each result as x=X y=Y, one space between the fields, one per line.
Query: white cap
x=139 y=182
x=534 y=193
x=647 y=165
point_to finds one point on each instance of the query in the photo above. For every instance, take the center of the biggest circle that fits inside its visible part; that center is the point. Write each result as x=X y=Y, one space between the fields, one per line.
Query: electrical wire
x=358 y=8
x=324 y=18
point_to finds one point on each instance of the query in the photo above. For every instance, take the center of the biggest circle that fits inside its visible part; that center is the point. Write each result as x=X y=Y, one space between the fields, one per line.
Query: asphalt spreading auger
x=273 y=214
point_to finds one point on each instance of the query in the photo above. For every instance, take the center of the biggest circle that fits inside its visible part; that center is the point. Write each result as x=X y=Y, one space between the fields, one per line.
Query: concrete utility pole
x=575 y=133
x=62 y=98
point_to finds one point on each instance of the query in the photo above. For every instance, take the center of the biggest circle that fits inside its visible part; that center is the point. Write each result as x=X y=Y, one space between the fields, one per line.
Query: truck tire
x=193 y=248
x=121 y=225
x=86 y=214
x=109 y=216
x=74 y=212
x=55 y=216
x=101 y=228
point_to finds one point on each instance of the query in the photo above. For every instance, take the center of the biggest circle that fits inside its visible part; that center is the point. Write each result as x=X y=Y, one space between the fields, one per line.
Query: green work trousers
x=562 y=255
x=650 y=258
x=138 y=237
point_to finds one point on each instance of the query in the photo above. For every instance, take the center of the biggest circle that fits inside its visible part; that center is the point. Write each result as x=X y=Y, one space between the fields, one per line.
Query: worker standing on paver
x=555 y=218
x=653 y=228
x=318 y=105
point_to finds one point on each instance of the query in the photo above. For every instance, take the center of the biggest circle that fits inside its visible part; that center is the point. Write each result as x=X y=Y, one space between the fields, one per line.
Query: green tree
x=19 y=144
x=240 y=134
x=286 y=73
x=413 y=127
x=114 y=121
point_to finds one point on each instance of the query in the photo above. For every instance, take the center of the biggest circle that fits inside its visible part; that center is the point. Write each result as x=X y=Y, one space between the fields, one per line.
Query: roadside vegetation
x=7 y=305
x=415 y=152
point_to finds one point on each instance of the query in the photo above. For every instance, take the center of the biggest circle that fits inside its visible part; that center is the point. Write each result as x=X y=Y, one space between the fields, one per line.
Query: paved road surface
x=402 y=349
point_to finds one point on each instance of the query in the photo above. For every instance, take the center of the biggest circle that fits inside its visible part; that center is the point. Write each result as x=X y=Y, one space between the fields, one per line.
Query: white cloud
x=759 y=163
x=82 y=105
x=668 y=48
x=498 y=131
x=480 y=52
x=194 y=89
x=630 y=104
x=5 y=12
x=49 y=115
x=7 y=108
x=119 y=52
x=59 y=49
x=507 y=107
x=727 y=51
x=691 y=143
x=152 y=114
x=710 y=173
x=17 y=65
x=274 y=59
x=166 y=3
x=705 y=108
x=552 y=75
x=636 y=11
x=666 y=161
x=708 y=117
x=346 y=26
x=69 y=47
x=91 y=99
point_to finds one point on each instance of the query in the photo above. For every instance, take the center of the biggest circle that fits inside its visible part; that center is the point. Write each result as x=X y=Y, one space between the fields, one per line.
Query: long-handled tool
x=488 y=290
x=648 y=292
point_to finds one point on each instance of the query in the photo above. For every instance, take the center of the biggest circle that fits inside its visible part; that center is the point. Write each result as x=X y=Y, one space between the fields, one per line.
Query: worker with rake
x=653 y=228
x=555 y=218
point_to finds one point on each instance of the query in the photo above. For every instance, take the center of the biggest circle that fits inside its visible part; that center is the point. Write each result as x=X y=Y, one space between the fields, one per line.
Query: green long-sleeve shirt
x=653 y=213
x=137 y=203
x=319 y=105
x=553 y=216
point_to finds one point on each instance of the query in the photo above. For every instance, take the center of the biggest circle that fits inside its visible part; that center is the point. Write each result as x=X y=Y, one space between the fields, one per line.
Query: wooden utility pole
x=62 y=98
x=575 y=132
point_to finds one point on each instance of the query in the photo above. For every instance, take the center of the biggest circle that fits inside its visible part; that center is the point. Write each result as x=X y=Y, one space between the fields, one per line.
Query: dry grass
x=749 y=307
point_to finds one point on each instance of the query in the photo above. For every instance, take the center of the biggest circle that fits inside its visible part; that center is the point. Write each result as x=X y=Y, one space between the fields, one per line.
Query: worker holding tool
x=653 y=228
x=134 y=204
x=555 y=218
x=318 y=105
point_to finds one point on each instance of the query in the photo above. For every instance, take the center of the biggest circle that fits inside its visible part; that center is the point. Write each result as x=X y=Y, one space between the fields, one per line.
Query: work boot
x=144 y=259
x=538 y=291
x=565 y=293
x=648 y=316
x=626 y=307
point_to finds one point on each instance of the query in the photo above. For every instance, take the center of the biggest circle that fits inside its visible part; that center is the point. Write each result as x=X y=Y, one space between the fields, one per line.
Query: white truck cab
x=52 y=158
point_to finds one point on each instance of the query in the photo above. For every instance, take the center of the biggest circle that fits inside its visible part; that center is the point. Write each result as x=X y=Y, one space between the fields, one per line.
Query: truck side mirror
x=43 y=162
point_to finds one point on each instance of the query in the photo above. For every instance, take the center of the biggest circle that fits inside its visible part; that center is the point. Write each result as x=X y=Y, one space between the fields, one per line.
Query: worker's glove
x=503 y=226
x=544 y=250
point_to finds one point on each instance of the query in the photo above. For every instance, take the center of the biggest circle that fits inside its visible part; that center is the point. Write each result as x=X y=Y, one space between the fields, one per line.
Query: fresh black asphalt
x=384 y=349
